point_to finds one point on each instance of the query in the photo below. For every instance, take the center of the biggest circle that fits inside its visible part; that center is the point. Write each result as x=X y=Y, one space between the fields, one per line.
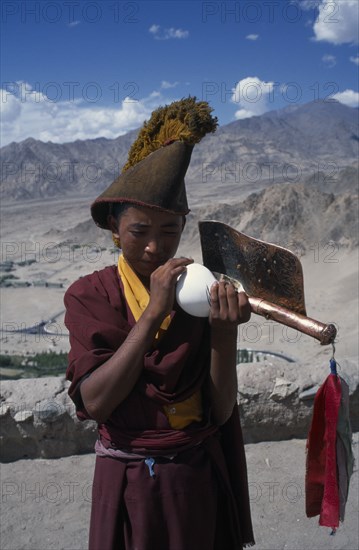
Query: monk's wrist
x=152 y=319
x=226 y=331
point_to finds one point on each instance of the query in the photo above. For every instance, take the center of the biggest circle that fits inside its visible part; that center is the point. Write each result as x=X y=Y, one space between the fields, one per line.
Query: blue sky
x=78 y=69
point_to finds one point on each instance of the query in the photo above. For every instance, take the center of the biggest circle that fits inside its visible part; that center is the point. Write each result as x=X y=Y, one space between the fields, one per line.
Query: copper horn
x=270 y=275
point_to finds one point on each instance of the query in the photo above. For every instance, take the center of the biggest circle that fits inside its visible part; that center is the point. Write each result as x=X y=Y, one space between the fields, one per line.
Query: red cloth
x=99 y=320
x=322 y=495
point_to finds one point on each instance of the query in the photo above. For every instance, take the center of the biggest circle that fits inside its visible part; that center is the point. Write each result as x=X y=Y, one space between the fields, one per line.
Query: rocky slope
x=296 y=216
x=314 y=140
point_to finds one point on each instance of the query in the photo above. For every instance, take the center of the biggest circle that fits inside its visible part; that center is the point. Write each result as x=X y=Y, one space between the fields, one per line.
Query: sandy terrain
x=330 y=282
x=46 y=503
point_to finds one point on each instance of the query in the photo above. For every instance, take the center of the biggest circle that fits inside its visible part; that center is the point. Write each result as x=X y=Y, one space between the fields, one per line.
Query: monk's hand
x=229 y=308
x=163 y=286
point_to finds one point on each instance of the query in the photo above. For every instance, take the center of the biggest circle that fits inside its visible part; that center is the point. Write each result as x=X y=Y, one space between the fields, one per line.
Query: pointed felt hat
x=158 y=161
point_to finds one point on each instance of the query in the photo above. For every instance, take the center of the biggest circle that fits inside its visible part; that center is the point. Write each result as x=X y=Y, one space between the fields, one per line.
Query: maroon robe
x=198 y=499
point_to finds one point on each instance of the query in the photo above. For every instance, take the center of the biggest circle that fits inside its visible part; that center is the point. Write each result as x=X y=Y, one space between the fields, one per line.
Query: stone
x=282 y=389
x=309 y=393
x=38 y=419
x=49 y=411
x=276 y=398
x=23 y=416
x=4 y=410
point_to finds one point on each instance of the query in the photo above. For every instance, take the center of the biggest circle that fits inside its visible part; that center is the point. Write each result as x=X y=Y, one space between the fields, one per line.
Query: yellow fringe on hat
x=185 y=120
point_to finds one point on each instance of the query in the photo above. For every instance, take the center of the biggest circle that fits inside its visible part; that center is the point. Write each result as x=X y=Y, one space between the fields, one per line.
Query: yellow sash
x=181 y=414
x=137 y=296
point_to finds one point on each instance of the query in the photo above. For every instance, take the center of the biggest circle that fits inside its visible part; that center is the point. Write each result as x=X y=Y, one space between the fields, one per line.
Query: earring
x=116 y=241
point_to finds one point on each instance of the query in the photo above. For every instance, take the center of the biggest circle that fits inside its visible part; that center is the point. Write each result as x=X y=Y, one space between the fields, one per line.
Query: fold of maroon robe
x=99 y=320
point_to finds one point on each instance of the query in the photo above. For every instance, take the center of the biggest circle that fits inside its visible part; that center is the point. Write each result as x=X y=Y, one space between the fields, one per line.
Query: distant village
x=8 y=279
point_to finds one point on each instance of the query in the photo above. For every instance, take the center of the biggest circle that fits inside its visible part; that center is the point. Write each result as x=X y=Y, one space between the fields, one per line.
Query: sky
x=81 y=69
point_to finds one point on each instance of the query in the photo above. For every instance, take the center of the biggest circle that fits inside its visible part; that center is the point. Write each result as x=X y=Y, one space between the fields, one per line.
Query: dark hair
x=118 y=208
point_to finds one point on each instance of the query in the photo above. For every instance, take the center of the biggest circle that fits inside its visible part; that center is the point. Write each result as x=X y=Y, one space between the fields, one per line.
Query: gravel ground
x=46 y=503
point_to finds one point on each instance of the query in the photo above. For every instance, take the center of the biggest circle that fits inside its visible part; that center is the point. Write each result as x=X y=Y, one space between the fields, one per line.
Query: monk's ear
x=113 y=224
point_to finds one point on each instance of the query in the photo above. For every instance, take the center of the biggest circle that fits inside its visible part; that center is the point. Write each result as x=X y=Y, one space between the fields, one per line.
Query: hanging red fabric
x=321 y=484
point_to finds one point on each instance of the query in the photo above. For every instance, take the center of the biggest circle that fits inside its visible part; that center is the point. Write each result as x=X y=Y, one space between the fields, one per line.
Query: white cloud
x=165 y=85
x=10 y=107
x=167 y=34
x=307 y=5
x=176 y=33
x=74 y=23
x=354 y=59
x=348 y=97
x=252 y=36
x=329 y=60
x=29 y=113
x=154 y=29
x=252 y=95
x=337 y=22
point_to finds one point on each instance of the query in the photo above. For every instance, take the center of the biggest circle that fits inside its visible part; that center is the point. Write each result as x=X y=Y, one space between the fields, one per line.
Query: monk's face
x=148 y=238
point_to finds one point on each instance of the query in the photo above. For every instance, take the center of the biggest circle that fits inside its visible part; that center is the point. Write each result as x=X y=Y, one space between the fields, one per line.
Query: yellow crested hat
x=158 y=160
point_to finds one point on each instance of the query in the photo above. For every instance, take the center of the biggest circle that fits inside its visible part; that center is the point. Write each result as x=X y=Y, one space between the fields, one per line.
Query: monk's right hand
x=163 y=286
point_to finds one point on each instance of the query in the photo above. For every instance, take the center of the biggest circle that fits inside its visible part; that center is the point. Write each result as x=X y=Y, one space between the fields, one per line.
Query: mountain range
x=315 y=143
x=297 y=216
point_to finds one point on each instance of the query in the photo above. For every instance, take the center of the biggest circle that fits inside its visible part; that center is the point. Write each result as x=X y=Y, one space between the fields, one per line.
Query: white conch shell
x=192 y=290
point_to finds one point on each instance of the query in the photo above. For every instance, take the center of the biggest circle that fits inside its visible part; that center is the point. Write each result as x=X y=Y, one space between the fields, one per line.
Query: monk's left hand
x=229 y=308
